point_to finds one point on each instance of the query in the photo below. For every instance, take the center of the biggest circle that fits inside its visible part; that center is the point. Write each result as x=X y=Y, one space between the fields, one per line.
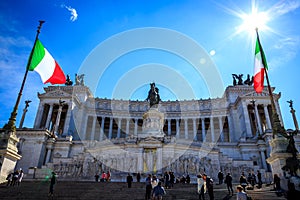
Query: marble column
x=67 y=120
x=169 y=127
x=257 y=117
x=83 y=127
x=93 y=128
x=58 y=119
x=221 y=129
x=247 y=120
x=230 y=127
x=127 y=127
x=135 y=126
x=186 y=131
x=267 y=116
x=102 y=128
x=119 y=127
x=212 y=129
x=177 y=128
x=203 y=129
x=110 y=127
x=49 y=116
x=40 y=112
x=194 y=129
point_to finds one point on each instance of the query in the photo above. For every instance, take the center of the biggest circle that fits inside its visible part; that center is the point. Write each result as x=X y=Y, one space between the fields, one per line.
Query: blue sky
x=75 y=29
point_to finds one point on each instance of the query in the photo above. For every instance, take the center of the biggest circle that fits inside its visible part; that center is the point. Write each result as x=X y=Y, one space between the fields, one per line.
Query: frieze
x=56 y=93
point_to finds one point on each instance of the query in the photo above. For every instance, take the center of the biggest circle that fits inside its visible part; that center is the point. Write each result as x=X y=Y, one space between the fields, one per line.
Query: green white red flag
x=260 y=65
x=44 y=64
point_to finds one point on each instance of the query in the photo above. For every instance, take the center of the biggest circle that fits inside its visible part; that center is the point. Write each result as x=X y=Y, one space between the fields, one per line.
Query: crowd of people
x=15 y=178
x=205 y=184
x=104 y=177
x=156 y=187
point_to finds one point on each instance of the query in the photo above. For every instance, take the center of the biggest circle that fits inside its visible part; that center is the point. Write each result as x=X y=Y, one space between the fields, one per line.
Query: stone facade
x=78 y=135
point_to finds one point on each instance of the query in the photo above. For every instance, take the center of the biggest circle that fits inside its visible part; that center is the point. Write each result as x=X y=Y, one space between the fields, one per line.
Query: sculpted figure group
x=238 y=80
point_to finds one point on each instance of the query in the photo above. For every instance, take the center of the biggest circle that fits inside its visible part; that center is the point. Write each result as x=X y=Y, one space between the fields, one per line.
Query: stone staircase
x=67 y=190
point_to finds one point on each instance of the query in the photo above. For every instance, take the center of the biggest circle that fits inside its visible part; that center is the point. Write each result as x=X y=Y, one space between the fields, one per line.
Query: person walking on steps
x=228 y=181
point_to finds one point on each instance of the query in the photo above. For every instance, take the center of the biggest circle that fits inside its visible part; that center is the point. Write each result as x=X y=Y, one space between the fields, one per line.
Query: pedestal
x=8 y=153
x=278 y=158
x=153 y=123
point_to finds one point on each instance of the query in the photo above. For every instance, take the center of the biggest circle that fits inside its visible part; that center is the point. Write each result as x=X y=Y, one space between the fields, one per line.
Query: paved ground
x=68 y=190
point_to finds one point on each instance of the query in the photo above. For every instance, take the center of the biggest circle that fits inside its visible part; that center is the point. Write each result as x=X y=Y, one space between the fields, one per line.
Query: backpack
x=209 y=183
x=158 y=191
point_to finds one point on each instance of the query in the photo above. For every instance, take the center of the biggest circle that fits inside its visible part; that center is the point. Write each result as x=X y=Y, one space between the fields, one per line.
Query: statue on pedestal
x=153 y=96
x=292 y=163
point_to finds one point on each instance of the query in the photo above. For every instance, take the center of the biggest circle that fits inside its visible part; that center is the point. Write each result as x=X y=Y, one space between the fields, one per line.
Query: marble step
x=67 y=190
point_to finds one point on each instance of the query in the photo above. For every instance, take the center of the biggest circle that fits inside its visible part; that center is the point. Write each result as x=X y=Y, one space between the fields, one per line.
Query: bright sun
x=254 y=20
x=251 y=21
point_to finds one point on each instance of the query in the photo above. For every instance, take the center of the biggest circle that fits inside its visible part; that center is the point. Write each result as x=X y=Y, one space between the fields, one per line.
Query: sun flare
x=254 y=20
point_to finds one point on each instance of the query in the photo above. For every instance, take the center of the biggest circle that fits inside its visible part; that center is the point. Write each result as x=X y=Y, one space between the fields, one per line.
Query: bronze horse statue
x=153 y=96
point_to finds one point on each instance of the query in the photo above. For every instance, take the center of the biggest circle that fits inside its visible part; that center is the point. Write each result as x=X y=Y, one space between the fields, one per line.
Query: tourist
x=243 y=181
x=148 y=187
x=129 y=180
x=167 y=179
x=188 y=179
x=220 y=177
x=201 y=186
x=277 y=183
x=20 y=177
x=103 y=177
x=249 y=178
x=15 y=178
x=96 y=177
x=138 y=177
x=209 y=186
x=253 y=179
x=9 y=179
x=108 y=176
x=154 y=181
x=292 y=193
x=228 y=181
x=158 y=192
x=172 y=179
x=259 y=179
x=182 y=179
x=241 y=194
x=52 y=183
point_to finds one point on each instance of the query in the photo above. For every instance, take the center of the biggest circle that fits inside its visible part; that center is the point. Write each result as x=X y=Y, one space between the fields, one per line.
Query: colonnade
x=54 y=117
x=210 y=129
x=257 y=118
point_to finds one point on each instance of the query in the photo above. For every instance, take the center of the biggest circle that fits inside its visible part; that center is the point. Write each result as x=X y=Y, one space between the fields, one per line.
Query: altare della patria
x=78 y=135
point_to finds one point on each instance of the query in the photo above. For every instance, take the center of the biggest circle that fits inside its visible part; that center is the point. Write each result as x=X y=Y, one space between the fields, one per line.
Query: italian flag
x=44 y=64
x=260 y=65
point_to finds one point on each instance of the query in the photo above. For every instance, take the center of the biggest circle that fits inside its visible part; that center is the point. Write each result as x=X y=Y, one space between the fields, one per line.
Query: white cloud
x=284 y=50
x=284 y=7
x=73 y=12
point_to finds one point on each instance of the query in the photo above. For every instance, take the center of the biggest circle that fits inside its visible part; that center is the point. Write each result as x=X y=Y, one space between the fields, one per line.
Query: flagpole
x=277 y=127
x=11 y=125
